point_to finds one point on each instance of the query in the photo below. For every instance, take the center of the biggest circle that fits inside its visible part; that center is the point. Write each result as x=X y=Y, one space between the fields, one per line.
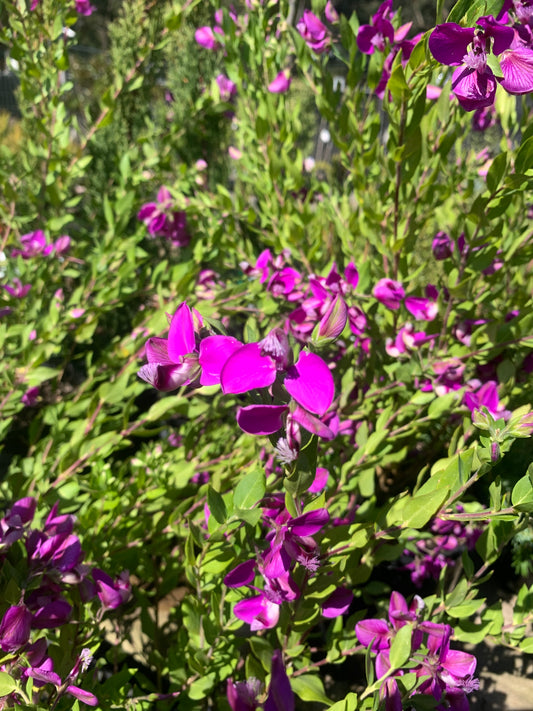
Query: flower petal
x=448 y=43
x=214 y=352
x=181 y=340
x=517 y=69
x=247 y=370
x=261 y=419
x=310 y=383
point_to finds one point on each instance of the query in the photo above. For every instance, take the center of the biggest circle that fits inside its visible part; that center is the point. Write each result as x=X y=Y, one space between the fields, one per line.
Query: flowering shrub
x=279 y=371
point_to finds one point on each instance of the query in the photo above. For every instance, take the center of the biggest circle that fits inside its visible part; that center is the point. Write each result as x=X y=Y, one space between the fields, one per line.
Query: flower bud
x=442 y=246
x=15 y=628
x=332 y=323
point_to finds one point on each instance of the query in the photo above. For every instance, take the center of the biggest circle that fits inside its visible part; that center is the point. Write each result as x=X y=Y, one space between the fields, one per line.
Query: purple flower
x=17 y=289
x=337 y=603
x=84 y=7
x=442 y=246
x=474 y=82
x=112 y=593
x=259 y=612
x=242 y=695
x=374 y=36
x=15 y=628
x=205 y=37
x=162 y=220
x=390 y=293
x=281 y=83
x=332 y=323
x=178 y=360
x=227 y=88
x=31 y=396
x=280 y=695
x=257 y=365
x=314 y=32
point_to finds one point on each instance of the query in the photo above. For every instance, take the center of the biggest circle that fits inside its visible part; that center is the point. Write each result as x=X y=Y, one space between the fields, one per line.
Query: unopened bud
x=332 y=323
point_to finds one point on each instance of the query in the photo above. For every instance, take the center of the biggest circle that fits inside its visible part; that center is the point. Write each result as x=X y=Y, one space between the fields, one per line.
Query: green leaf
x=397 y=84
x=349 y=703
x=420 y=509
x=466 y=12
x=522 y=495
x=400 y=649
x=524 y=157
x=7 y=684
x=496 y=172
x=216 y=505
x=465 y=609
x=309 y=687
x=526 y=645
x=250 y=490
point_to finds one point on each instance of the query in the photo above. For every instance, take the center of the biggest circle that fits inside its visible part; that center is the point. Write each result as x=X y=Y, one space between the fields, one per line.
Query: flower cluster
x=57 y=580
x=290 y=542
x=381 y=35
x=443 y=673
x=245 y=695
x=470 y=48
x=190 y=355
x=34 y=244
x=162 y=220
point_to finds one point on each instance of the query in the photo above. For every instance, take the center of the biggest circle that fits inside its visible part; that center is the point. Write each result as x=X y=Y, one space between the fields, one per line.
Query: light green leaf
x=309 y=688
x=250 y=489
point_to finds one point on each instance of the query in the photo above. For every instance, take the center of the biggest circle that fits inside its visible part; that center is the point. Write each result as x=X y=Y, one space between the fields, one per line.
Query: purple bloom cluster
x=380 y=35
x=189 y=356
x=34 y=244
x=444 y=673
x=468 y=48
x=290 y=542
x=162 y=220
x=54 y=561
x=441 y=549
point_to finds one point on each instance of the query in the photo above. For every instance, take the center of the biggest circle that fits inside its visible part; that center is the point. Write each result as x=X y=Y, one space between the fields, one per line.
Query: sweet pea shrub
x=266 y=396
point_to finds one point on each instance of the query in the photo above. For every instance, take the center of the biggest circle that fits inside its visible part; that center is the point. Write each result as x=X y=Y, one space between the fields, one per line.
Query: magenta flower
x=474 y=82
x=257 y=365
x=15 y=628
x=16 y=289
x=331 y=13
x=179 y=360
x=390 y=293
x=31 y=396
x=162 y=220
x=281 y=83
x=450 y=672
x=314 y=32
x=378 y=32
x=421 y=308
x=84 y=7
x=227 y=88
x=442 y=245
x=33 y=244
x=84 y=696
x=280 y=695
x=259 y=612
x=243 y=695
x=205 y=37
